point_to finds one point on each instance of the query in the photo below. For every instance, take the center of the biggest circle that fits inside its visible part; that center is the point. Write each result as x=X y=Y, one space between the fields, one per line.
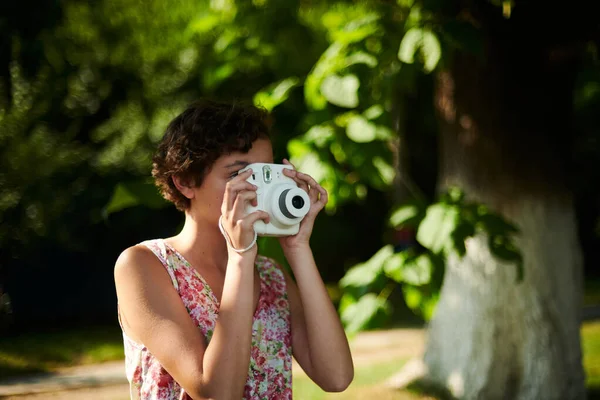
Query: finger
x=313 y=195
x=318 y=198
x=323 y=197
x=319 y=204
x=242 y=176
x=307 y=178
x=241 y=201
x=233 y=188
x=251 y=218
x=286 y=161
x=302 y=185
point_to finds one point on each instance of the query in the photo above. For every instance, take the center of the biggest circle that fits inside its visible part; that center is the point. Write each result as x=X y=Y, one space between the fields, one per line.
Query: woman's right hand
x=237 y=225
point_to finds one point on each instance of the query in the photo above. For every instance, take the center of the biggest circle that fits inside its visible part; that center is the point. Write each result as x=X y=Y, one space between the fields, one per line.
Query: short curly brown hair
x=201 y=134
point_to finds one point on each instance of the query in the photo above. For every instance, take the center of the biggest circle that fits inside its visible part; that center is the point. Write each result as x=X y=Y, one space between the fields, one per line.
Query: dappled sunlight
x=456 y=384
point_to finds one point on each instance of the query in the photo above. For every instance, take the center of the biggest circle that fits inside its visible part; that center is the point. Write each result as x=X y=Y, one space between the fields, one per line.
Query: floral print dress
x=270 y=369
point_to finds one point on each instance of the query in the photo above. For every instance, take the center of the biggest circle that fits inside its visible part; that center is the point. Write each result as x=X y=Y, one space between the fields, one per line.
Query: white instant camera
x=280 y=197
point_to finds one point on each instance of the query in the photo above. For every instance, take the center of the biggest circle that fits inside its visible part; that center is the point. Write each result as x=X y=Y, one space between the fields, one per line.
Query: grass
x=367 y=384
x=38 y=352
x=591 y=354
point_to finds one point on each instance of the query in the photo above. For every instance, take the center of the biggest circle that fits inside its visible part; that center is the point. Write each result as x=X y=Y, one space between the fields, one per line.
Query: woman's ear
x=184 y=186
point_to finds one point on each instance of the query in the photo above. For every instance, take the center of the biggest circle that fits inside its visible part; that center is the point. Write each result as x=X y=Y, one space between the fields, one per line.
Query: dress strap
x=158 y=247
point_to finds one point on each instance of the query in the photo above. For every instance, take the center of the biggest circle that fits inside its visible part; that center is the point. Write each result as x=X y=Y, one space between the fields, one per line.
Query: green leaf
x=346 y=301
x=360 y=130
x=132 y=194
x=393 y=266
x=329 y=62
x=384 y=133
x=428 y=305
x=494 y=224
x=366 y=273
x=357 y=29
x=360 y=57
x=341 y=90
x=276 y=93
x=408 y=214
x=298 y=148
x=431 y=50
x=425 y=41
x=373 y=112
x=386 y=171
x=436 y=228
x=320 y=135
x=408 y=268
x=204 y=23
x=504 y=248
x=357 y=316
x=412 y=296
x=417 y=270
x=409 y=45
x=463 y=231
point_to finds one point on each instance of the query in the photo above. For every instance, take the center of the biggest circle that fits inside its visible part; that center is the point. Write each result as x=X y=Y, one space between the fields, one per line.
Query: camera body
x=280 y=197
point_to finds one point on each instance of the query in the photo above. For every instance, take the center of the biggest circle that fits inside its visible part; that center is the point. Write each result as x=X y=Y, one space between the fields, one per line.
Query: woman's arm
x=318 y=339
x=156 y=316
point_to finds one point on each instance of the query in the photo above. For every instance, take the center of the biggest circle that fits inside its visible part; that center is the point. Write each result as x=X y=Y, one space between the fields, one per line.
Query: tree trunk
x=505 y=127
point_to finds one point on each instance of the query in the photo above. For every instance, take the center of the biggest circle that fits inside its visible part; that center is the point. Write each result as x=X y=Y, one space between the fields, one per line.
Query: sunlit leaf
x=406 y=267
x=386 y=171
x=204 y=23
x=320 y=135
x=417 y=271
x=358 y=315
x=276 y=93
x=360 y=130
x=346 y=301
x=394 y=264
x=412 y=296
x=432 y=51
x=367 y=272
x=341 y=90
x=361 y=58
x=423 y=41
x=436 y=228
x=409 y=45
x=330 y=62
x=373 y=112
x=357 y=30
x=408 y=214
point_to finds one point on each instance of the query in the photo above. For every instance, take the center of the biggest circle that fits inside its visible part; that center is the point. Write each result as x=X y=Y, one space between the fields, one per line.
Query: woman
x=203 y=317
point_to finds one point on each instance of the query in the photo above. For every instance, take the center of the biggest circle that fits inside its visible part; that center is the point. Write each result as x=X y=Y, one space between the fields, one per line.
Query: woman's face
x=206 y=203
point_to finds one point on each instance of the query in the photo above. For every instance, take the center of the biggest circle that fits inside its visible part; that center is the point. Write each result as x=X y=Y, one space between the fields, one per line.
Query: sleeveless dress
x=270 y=369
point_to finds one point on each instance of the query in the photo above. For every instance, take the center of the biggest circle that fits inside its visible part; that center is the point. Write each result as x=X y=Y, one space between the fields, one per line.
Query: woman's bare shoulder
x=135 y=260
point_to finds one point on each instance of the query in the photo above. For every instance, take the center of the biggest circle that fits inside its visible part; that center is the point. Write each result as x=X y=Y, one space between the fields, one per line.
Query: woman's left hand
x=318 y=199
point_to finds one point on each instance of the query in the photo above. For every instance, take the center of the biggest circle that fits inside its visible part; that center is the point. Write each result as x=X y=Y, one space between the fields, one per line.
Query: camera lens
x=298 y=202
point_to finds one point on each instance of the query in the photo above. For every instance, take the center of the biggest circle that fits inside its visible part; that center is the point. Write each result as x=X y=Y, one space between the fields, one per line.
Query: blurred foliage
x=87 y=88
x=442 y=229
